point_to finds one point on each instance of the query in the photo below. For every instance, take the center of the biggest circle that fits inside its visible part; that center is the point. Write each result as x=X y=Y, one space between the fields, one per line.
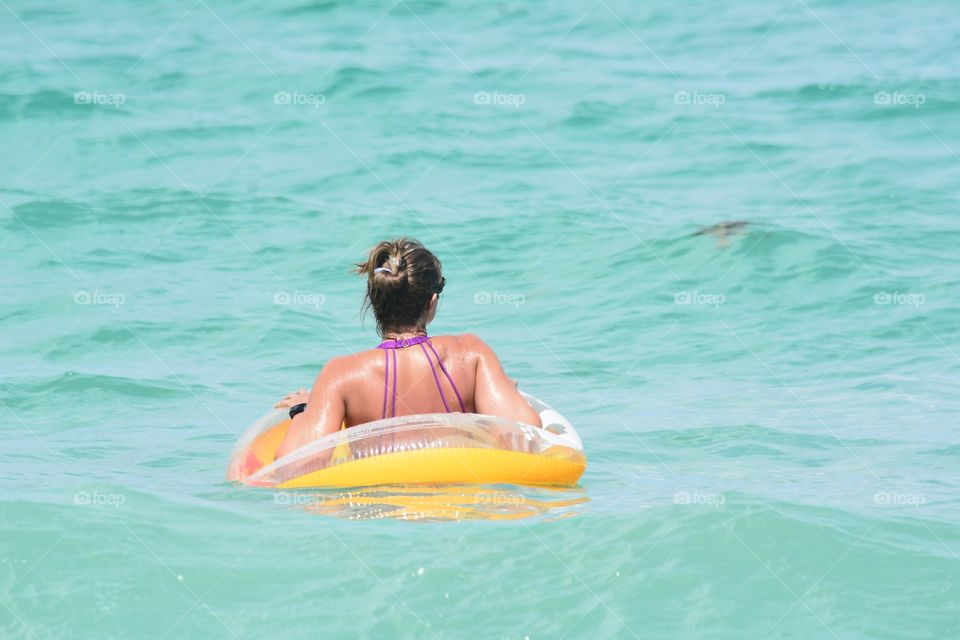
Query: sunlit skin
x=350 y=388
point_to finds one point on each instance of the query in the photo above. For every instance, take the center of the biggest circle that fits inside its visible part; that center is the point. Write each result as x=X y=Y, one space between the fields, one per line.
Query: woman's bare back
x=350 y=389
x=368 y=398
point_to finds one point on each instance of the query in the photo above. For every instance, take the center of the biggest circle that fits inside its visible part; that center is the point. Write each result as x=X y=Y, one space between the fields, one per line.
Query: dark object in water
x=722 y=230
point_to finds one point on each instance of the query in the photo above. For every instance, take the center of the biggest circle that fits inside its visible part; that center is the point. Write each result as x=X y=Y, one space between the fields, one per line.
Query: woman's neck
x=400 y=334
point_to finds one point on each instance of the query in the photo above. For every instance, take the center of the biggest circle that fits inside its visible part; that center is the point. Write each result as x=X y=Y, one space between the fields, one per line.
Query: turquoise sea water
x=770 y=415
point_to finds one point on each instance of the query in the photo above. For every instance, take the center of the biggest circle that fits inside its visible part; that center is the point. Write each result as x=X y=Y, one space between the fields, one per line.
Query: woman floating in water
x=408 y=373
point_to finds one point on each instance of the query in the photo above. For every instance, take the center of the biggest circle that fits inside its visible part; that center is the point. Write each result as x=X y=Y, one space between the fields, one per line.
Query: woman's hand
x=291 y=399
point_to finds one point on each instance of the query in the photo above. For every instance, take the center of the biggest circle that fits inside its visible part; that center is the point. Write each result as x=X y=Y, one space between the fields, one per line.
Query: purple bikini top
x=389 y=346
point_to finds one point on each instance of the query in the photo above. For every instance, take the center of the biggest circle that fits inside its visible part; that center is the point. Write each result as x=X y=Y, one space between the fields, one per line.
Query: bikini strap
x=393 y=413
x=386 y=382
x=402 y=342
x=463 y=409
x=436 y=378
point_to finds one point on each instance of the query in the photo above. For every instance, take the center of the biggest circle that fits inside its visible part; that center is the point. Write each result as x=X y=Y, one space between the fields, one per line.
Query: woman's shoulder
x=351 y=362
x=469 y=343
x=466 y=343
x=464 y=339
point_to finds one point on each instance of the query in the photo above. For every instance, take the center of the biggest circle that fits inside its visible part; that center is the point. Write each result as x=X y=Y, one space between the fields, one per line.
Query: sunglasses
x=439 y=288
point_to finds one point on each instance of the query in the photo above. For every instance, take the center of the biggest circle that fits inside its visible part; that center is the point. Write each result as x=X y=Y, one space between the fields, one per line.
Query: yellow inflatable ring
x=441 y=448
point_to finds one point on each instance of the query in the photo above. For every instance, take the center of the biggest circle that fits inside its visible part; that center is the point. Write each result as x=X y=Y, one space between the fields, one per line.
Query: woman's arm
x=496 y=394
x=292 y=399
x=324 y=413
